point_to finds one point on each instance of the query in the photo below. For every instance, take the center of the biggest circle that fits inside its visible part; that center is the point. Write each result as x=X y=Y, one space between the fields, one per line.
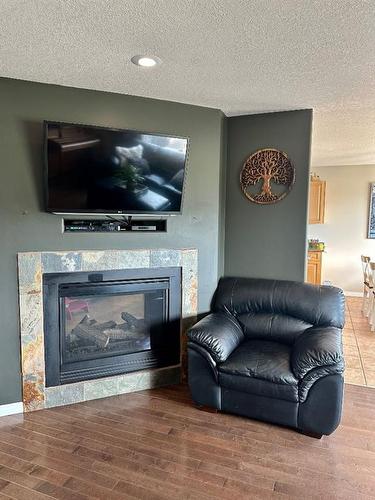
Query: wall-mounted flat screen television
x=101 y=170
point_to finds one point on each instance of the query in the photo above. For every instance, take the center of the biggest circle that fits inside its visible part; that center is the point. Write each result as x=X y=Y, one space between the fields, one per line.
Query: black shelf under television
x=113 y=225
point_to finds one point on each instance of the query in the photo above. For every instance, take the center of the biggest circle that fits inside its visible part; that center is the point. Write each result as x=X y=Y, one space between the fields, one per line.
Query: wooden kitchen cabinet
x=314 y=267
x=317 y=200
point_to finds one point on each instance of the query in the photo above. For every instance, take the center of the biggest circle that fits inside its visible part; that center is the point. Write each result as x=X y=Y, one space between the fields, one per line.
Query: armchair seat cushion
x=260 y=367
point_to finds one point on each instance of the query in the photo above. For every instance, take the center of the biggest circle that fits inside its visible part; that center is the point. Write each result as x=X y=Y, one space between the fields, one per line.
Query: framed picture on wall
x=371 y=213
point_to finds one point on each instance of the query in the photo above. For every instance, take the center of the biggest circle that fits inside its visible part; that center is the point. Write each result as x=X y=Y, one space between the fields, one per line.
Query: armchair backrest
x=279 y=310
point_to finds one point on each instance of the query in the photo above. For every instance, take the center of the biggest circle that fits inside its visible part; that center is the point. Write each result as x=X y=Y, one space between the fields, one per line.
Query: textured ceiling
x=242 y=56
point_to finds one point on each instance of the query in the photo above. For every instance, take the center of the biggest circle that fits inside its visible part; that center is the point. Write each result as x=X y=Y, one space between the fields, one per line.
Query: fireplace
x=39 y=276
x=98 y=324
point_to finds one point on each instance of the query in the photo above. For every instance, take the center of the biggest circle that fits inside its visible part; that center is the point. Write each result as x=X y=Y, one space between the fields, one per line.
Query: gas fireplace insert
x=99 y=324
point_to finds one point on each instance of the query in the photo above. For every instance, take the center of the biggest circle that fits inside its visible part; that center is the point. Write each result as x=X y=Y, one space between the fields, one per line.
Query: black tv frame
x=55 y=211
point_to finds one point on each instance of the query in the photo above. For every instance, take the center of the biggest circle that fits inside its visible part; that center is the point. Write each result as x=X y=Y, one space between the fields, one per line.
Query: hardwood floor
x=156 y=445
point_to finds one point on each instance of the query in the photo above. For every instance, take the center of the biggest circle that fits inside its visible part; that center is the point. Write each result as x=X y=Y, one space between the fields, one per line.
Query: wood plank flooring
x=156 y=445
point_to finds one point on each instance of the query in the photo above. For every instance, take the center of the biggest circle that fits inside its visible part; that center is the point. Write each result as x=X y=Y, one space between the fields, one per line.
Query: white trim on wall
x=11 y=409
x=353 y=294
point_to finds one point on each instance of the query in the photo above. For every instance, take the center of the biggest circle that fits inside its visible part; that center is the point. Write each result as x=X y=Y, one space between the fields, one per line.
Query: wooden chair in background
x=372 y=298
x=367 y=285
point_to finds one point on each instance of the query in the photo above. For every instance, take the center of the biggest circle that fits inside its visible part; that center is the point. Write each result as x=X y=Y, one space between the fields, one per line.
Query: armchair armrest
x=318 y=347
x=218 y=333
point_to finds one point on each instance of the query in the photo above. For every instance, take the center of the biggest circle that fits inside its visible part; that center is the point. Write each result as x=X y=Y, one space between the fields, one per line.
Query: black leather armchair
x=271 y=350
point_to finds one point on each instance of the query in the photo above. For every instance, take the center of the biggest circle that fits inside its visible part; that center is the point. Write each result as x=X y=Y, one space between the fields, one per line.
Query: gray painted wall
x=223 y=189
x=25 y=227
x=267 y=241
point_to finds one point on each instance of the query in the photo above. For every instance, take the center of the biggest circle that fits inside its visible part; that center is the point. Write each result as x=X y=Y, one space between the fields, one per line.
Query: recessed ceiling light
x=145 y=61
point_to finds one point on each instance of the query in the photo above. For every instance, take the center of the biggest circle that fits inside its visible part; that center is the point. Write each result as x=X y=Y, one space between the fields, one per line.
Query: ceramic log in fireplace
x=107 y=323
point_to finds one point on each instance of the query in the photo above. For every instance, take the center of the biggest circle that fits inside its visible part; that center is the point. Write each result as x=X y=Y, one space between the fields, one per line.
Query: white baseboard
x=353 y=294
x=11 y=409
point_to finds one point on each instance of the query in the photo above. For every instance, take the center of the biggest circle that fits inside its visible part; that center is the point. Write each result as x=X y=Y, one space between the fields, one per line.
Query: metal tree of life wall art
x=267 y=176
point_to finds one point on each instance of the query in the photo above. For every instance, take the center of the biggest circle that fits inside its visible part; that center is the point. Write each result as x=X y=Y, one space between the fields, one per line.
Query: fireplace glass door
x=106 y=325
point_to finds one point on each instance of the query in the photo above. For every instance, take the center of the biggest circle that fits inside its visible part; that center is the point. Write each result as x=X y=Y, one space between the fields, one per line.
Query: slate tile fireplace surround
x=100 y=323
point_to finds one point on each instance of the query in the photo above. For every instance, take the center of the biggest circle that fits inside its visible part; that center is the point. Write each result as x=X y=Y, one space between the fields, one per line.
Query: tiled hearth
x=31 y=267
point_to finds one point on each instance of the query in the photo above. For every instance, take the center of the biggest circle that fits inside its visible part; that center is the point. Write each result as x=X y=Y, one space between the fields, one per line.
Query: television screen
x=100 y=170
